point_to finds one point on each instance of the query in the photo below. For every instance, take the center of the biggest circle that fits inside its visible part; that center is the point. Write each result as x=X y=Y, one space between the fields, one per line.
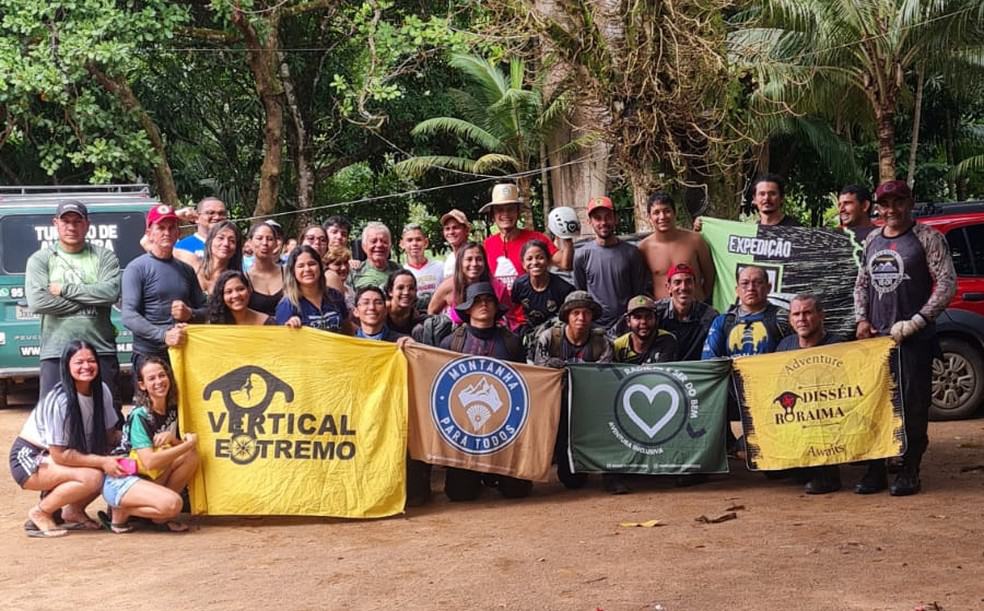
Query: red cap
x=599 y=202
x=898 y=188
x=680 y=268
x=159 y=213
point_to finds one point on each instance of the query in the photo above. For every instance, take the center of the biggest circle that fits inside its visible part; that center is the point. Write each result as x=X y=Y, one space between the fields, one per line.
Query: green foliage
x=501 y=118
x=47 y=53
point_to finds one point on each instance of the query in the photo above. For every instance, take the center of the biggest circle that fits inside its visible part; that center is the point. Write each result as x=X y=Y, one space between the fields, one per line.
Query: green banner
x=797 y=259
x=648 y=419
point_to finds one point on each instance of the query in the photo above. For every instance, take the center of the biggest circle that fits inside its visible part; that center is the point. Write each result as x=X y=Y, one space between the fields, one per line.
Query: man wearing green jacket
x=73 y=285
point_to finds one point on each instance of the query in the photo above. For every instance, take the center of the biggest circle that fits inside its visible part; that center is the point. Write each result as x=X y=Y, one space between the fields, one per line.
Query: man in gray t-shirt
x=611 y=270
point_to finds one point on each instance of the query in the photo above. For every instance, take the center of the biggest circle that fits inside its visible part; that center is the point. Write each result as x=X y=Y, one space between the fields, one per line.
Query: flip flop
x=116 y=529
x=47 y=534
x=86 y=525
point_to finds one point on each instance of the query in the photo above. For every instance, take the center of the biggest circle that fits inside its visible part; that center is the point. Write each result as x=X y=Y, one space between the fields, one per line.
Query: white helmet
x=563 y=222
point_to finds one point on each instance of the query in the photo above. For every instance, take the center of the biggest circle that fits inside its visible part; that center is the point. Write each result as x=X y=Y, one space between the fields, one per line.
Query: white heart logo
x=650 y=394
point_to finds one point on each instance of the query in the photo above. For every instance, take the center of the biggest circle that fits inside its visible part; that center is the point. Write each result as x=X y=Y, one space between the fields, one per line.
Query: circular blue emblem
x=479 y=404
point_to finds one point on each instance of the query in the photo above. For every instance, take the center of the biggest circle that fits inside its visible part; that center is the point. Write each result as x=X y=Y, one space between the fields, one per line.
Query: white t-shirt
x=48 y=423
x=428 y=276
x=449 y=265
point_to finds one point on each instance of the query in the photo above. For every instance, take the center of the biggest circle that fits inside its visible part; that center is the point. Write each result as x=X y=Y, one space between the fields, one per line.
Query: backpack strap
x=458 y=337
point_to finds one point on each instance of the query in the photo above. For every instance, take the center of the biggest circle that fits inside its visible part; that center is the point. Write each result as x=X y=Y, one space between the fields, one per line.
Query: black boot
x=875 y=479
x=571 y=481
x=825 y=480
x=906 y=482
x=615 y=483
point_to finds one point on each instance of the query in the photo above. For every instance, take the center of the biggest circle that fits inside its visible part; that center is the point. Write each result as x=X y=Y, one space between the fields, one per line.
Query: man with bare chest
x=669 y=245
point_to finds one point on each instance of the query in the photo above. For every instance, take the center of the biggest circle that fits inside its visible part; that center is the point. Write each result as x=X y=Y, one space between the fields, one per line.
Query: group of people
x=500 y=297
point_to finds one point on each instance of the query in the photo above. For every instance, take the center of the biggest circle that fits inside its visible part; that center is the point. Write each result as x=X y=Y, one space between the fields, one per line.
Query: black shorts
x=25 y=459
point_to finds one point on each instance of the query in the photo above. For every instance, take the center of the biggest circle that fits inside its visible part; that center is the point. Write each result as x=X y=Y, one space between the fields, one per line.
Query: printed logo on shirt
x=479 y=404
x=505 y=271
x=748 y=338
x=886 y=270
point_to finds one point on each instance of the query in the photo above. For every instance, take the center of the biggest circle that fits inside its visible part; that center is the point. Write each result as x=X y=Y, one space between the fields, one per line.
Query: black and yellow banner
x=820 y=406
x=293 y=421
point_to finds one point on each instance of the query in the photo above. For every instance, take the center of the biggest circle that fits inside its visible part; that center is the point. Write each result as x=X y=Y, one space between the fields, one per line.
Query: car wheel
x=958 y=380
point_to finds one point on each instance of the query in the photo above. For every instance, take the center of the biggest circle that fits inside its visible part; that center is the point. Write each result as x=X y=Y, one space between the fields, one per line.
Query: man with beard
x=682 y=315
x=610 y=270
x=905 y=281
x=669 y=245
x=645 y=342
x=854 y=211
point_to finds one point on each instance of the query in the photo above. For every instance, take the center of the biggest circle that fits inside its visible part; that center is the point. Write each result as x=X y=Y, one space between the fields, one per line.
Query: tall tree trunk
x=575 y=175
x=262 y=58
x=886 y=144
x=950 y=150
x=916 y=119
x=301 y=145
x=163 y=178
x=545 y=184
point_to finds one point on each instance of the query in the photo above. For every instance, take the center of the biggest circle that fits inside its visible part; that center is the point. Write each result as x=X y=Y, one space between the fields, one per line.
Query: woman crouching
x=61 y=449
x=164 y=463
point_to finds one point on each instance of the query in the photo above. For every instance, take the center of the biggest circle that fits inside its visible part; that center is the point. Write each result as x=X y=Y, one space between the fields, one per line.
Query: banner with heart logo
x=668 y=418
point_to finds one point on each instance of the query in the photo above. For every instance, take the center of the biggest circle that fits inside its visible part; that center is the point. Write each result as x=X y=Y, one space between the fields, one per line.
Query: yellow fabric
x=293 y=421
x=820 y=406
x=142 y=469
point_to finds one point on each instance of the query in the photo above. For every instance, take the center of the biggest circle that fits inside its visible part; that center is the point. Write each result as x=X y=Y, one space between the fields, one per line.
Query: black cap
x=72 y=206
x=478 y=289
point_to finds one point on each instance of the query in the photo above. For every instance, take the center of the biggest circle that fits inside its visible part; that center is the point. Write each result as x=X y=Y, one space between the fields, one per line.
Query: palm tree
x=848 y=59
x=499 y=116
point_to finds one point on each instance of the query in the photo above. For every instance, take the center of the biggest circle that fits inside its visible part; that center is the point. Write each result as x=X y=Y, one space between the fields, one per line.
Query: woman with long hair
x=401 y=295
x=266 y=277
x=163 y=461
x=223 y=251
x=229 y=302
x=62 y=449
x=471 y=265
x=308 y=301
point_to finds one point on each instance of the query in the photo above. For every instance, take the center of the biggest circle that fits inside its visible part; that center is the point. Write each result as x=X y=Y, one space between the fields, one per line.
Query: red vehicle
x=958 y=379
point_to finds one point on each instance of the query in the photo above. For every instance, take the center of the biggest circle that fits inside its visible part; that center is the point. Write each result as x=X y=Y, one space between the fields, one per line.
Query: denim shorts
x=115 y=487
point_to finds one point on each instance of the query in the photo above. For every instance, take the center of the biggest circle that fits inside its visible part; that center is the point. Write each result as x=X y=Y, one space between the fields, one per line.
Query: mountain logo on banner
x=650 y=408
x=479 y=404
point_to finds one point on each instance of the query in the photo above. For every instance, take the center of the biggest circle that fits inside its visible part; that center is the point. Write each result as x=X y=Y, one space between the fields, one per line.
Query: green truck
x=116 y=214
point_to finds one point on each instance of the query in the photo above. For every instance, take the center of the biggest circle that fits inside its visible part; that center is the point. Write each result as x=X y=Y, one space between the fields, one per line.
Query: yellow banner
x=293 y=421
x=820 y=406
x=482 y=414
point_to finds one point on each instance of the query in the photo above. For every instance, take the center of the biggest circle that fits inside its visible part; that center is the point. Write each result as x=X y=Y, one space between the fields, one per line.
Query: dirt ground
x=555 y=550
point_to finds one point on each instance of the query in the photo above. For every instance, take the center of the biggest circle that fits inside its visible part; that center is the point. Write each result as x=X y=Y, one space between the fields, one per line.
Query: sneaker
x=906 y=483
x=572 y=481
x=875 y=479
